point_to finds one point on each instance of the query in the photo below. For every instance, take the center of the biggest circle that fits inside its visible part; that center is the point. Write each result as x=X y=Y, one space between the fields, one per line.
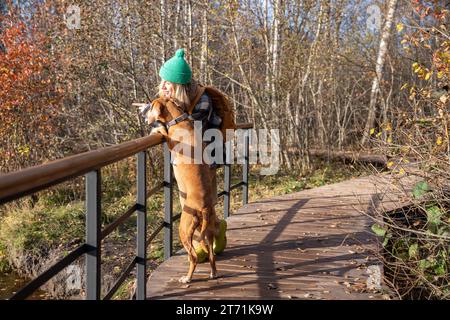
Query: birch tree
x=385 y=35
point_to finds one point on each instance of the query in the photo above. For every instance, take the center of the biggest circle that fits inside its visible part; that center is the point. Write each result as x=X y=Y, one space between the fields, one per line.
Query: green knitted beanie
x=176 y=69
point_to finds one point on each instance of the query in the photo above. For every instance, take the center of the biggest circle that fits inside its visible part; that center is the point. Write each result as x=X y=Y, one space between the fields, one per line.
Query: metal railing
x=28 y=181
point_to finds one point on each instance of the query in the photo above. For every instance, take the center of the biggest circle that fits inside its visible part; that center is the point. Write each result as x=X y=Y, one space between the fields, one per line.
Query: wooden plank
x=313 y=244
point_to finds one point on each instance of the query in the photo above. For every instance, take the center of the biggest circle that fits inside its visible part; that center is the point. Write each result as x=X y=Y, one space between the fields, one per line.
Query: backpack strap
x=200 y=91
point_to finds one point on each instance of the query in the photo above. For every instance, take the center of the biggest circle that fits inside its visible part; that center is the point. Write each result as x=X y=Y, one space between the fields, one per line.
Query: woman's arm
x=156 y=127
x=143 y=109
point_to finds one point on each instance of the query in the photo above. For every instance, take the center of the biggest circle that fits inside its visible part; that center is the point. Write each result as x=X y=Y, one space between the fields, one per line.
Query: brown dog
x=198 y=209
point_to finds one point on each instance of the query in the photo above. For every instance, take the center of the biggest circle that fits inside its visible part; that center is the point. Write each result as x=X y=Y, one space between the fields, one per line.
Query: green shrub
x=42 y=227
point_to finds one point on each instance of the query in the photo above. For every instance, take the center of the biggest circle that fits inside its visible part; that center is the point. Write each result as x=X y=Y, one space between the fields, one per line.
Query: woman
x=177 y=83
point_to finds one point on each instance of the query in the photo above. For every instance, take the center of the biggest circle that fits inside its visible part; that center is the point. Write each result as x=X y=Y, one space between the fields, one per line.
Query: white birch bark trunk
x=190 y=34
x=204 y=46
x=176 y=24
x=162 y=26
x=267 y=45
x=385 y=35
x=275 y=54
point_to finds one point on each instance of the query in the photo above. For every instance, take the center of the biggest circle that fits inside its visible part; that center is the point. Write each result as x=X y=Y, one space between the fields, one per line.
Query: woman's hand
x=142 y=107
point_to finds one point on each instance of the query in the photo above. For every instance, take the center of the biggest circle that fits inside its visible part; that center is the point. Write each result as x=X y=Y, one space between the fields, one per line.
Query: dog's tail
x=205 y=222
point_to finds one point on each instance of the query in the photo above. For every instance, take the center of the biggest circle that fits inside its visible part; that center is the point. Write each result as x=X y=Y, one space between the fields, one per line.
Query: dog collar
x=178 y=119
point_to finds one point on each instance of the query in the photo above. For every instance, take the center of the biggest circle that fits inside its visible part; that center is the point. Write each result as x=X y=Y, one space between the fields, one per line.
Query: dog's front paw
x=184 y=279
x=213 y=275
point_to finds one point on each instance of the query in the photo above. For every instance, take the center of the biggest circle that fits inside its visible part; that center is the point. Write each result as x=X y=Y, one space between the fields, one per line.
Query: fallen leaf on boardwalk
x=351 y=251
x=271 y=286
x=334 y=225
x=347 y=284
x=307 y=295
x=359 y=286
x=326 y=291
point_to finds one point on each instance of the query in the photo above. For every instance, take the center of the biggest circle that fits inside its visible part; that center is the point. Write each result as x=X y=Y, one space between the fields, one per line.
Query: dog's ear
x=159 y=111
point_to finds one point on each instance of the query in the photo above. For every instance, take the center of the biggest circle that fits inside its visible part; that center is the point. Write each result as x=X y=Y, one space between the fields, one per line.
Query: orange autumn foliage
x=27 y=97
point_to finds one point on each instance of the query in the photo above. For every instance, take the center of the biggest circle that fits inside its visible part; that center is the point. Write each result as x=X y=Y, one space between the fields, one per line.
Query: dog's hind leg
x=205 y=216
x=212 y=257
x=186 y=238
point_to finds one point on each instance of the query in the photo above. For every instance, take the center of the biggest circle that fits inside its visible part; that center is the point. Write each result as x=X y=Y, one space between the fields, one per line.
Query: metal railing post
x=245 y=167
x=141 y=201
x=93 y=229
x=168 y=204
x=227 y=180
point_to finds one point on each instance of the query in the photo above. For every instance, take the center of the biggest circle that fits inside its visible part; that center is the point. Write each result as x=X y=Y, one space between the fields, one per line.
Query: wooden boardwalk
x=313 y=244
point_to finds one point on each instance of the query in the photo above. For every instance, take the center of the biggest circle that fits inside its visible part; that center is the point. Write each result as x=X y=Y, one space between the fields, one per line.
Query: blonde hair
x=183 y=93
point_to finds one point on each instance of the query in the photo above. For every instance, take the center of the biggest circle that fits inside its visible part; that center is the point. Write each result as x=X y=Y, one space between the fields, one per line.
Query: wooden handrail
x=247 y=125
x=24 y=182
x=17 y=184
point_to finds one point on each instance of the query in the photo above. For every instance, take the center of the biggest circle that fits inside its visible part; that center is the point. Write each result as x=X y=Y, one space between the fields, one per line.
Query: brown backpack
x=221 y=106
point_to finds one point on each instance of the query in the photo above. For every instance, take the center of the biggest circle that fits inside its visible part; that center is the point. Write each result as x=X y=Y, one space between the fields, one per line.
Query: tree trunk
x=176 y=24
x=386 y=33
x=190 y=31
x=204 y=45
x=267 y=46
x=275 y=55
x=162 y=24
